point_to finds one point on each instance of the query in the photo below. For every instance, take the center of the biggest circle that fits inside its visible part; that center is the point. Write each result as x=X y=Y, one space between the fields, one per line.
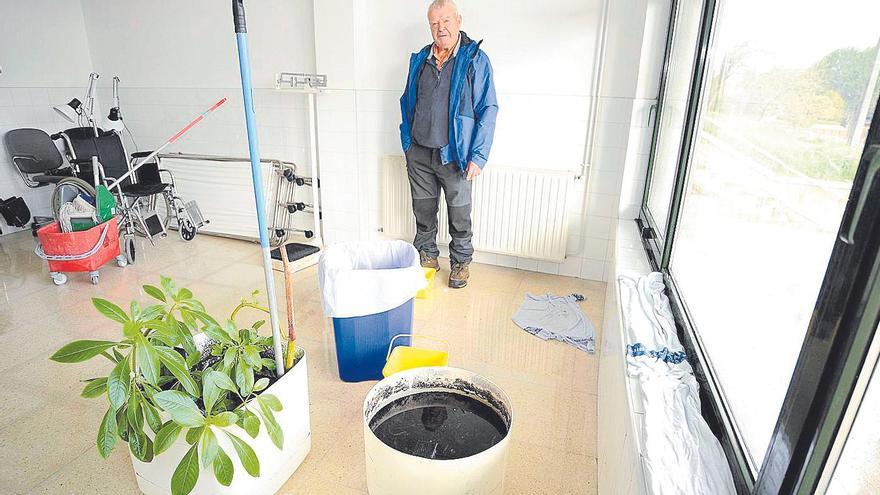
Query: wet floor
x=47 y=432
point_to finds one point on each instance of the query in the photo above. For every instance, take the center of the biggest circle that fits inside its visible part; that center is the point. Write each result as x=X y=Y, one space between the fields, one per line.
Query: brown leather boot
x=429 y=261
x=458 y=278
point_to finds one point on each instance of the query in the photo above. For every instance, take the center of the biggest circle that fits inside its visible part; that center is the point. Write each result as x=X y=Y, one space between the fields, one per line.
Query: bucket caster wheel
x=187 y=230
x=94 y=276
x=58 y=278
x=130 y=251
x=121 y=261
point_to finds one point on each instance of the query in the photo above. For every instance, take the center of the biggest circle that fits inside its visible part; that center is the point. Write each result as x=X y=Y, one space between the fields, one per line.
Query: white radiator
x=516 y=212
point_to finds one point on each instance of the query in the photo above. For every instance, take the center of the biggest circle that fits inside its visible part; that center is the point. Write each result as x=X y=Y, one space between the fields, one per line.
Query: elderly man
x=448 y=110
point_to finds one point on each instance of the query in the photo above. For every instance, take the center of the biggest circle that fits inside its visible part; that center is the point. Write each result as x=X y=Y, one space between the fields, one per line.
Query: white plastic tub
x=276 y=466
x=390 y=472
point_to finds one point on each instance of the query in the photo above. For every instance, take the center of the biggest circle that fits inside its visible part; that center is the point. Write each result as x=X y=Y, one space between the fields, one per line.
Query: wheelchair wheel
x=187 y=230
x=162 y=206
x=130 y=250
x=66 y=190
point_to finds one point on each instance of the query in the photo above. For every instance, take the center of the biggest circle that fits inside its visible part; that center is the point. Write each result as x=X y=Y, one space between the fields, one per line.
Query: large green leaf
x=95 y=388
x=177 y=366
x=193 y=435
x=272 y=426
x=168 y=285
x=122 y=424
x=152 y=416
x=223 y=468
x=271 y=401
x=192 y=358
x=110 y=310
x=246 y=455
x=164 y=331
x=131 y=330
x=153 y=312
x=252 y=356
x=184 y=295
x=107 y=433
x=166 y=436
x=210 y=391
x=187 y=473
x=180 y=407
x=140 y=444
x=232 y=330
x=154 y=292
x=244 y=378
x=261 y=384
x=147 y=360
x=133 y=411
x=229 y=359
x=214 y=332
x=223 y=381
x=226 y=418
x=209 y=447
x=204 y=317
x=249 y=422
x=118 y=383
x=81 y=350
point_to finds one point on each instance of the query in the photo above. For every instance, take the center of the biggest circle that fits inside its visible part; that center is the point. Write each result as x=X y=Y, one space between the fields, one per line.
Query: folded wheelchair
x=147 y=201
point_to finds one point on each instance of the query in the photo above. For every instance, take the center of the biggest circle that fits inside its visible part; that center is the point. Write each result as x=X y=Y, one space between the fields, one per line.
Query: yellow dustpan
x=402 y=357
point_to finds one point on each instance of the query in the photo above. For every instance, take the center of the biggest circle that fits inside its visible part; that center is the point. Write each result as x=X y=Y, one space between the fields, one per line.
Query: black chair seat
x=48 y=179
x=143 y=190
x=295 y=251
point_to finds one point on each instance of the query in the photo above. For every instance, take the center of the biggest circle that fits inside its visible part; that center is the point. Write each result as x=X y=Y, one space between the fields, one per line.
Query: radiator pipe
x=254 y=148
x=593 y=118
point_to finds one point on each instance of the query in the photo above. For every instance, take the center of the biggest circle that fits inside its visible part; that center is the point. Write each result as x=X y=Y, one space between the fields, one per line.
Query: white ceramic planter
x=390 y=472
x=276 y=466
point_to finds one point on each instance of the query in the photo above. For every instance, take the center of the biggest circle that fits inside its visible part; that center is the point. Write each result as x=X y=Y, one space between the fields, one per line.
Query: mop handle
x=168 y=143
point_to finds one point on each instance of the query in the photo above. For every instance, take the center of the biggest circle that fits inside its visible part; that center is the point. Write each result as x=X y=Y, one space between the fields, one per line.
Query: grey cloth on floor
x=558 y=318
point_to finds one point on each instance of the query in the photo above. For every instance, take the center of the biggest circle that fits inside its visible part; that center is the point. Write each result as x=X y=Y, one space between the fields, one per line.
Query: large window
x=762 y=129
x=781 y=132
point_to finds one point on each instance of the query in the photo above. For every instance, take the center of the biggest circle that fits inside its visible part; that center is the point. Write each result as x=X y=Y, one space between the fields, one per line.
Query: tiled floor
x=47 y=432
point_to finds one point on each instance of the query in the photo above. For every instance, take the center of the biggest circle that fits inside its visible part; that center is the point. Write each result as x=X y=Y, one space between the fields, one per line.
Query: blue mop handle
x=254 y=147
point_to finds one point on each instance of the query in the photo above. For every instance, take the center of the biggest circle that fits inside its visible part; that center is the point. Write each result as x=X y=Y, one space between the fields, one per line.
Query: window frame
x=835 y=349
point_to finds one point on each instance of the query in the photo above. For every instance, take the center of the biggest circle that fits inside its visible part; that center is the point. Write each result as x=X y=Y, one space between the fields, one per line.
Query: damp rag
x=557 y=318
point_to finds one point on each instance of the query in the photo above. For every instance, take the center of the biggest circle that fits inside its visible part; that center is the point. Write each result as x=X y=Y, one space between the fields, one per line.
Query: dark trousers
x=427 y=176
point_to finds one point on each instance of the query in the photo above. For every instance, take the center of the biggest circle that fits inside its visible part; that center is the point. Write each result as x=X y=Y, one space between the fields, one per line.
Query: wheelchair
x=39 y=163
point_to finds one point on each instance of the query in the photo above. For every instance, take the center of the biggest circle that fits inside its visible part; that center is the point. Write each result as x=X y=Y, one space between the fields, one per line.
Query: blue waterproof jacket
x=472 y=105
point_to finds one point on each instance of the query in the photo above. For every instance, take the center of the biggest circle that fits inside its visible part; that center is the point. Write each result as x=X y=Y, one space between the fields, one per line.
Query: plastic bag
x=364 y=278
x=15 y=211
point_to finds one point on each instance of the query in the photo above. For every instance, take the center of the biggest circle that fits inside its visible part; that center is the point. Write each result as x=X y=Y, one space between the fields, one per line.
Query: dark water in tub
x=438 y=425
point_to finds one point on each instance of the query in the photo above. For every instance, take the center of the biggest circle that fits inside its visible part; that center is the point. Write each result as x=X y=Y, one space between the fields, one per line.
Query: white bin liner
x=364 y=278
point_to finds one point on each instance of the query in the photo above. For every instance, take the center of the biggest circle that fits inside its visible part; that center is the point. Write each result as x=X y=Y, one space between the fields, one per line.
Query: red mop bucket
x=84 y=251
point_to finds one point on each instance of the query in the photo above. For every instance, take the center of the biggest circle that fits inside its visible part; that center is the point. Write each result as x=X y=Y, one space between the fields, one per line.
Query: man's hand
x=473 y=171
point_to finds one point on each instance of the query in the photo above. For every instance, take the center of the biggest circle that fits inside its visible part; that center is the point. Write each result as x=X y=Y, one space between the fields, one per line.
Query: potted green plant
x=190 y=394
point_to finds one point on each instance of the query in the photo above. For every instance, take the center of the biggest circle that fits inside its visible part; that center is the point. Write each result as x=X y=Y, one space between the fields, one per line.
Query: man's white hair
x=436 y=4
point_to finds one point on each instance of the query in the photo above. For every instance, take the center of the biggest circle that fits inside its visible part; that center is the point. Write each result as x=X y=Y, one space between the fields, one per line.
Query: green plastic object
x=105 y=204
x=81 y=224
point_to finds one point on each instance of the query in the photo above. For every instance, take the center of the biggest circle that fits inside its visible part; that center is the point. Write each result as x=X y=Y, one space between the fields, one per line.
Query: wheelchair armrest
x=81 y=161
x=141 y=154
x=170 y=175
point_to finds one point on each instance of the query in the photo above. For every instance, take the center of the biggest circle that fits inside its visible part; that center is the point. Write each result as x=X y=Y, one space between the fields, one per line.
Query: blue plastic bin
x=362 y=341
